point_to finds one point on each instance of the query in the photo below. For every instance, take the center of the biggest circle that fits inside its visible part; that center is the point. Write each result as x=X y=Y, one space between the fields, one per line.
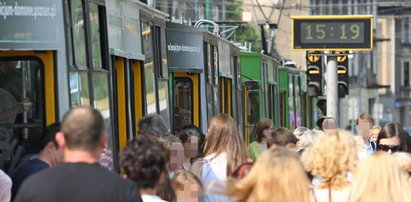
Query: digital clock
x=332 y=32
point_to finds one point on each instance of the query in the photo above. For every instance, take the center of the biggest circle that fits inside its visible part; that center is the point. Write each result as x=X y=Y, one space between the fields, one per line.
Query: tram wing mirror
x=252 y=85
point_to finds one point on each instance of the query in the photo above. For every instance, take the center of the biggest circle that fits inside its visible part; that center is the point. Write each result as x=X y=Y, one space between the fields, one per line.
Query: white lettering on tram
x=17 y=10
x=182 y=48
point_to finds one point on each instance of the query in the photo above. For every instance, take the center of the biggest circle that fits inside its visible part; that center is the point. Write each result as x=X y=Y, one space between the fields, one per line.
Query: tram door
x=186 y=100
x=28 y=100
x=129 y=98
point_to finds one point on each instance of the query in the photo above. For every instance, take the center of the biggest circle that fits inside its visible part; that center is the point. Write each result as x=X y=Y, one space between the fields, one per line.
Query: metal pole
x=332 y=87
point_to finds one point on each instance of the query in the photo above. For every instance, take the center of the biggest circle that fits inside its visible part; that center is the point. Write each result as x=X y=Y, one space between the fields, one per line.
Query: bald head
x=82 y=128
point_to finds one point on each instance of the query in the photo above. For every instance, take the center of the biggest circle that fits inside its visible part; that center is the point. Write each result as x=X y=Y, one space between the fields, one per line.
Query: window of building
x=406 y=73
x=405 y=30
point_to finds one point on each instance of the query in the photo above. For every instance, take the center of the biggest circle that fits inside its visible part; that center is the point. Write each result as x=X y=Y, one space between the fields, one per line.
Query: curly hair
x=332 y=158
x=143 y=162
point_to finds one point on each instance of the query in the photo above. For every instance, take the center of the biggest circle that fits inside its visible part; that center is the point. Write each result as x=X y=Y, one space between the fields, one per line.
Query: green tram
x=205 y=77
x=117 y=56
x=274 y=92
x=108 y=54
x=297 y=108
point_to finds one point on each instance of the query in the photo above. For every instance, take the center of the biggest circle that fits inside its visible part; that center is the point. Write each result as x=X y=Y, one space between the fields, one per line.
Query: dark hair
x=143 y=162
x=201 y=139
x=261 y=126
x=395 y=130
x=165 y=189
x=82 y=128
x=185 y=134
x=152 y=124
x=281 y=137
x=50 y=134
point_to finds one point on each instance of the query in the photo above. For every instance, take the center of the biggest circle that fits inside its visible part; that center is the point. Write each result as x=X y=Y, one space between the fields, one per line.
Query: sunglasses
x=383 y=147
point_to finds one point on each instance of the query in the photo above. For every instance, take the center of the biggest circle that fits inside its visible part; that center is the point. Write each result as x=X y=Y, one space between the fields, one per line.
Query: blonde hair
x=309 y=138
x=184 y=177
x=277 y=169
x=375 y=130
x=332 y=158
x=223 y=136
x=380 y=179
x=364 y=117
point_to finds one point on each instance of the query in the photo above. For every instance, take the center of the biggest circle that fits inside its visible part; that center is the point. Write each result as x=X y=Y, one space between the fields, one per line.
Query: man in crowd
x=50 y=155
x=80 y=178
x=363 y=124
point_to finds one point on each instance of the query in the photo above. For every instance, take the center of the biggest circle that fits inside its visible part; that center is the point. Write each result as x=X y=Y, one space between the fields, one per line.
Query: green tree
x=249 y=33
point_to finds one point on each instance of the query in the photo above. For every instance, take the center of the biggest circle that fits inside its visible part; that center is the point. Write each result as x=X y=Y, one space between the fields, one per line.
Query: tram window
x=95 y=35
x=183 y=100
x=149 y=78
x=254 y=107
x=164 y=100
x=164 y=68
x=215 y=65
x=79 y=89
x=102 y=99
x=209 y=65
x=22 y=101
x=77 y=26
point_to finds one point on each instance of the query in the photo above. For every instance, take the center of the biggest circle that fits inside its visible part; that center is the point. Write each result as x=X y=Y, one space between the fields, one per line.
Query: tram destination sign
x=351 y=32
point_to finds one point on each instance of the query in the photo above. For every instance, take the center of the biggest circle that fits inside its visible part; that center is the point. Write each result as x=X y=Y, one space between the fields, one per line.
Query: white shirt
x=151 y=198
x=341 y=195
x=214 y=177
x=5 y=187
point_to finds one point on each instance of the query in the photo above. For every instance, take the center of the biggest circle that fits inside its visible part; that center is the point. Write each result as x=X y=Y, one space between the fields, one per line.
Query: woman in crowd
x=330 y=161
x=187 y=186
x=224 y=151
x=392 y=138
x=380 y=179
x=190 y=139
x=173 y=151
x=262 y=130
x=300 y=131
x=276 y=176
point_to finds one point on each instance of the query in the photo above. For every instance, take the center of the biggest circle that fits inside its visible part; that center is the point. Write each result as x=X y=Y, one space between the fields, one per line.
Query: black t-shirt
x=29 y=168
x=76 y=182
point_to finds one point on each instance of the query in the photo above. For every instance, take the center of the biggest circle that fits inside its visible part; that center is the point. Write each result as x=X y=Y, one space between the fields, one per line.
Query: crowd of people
x=304 y=165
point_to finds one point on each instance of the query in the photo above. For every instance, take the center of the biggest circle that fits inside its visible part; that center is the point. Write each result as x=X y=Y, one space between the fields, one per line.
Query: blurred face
x=363 y=129
x=329 y=123
x=176 y=156
x=389 y=145
x=191 y=193
x=191 y=147
x=266 y=132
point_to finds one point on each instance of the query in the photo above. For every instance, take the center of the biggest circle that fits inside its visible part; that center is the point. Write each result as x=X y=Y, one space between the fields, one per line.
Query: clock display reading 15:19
x=332 y=32
x=326 y=32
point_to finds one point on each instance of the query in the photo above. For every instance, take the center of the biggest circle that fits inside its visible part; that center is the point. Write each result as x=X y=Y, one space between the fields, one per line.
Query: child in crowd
x=374 y=136
x=187 y=186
